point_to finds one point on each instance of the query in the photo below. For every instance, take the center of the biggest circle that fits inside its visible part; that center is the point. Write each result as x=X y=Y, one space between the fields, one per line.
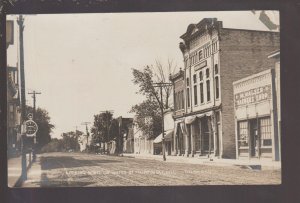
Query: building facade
x=168 y=136
x=214 y=57
x=142 y=145
x=257 y=114
x=13 y=99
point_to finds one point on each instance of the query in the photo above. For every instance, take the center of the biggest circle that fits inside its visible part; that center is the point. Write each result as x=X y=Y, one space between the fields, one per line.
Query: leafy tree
x=100 y=129
x=70 y=140
x=150 y=109
x=148 y=117
x=43 y=120
x=114 y=134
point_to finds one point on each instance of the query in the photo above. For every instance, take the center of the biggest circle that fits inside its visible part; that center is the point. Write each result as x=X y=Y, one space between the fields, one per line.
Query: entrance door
x=205 y=136
x=180 y=140
x=253 y=138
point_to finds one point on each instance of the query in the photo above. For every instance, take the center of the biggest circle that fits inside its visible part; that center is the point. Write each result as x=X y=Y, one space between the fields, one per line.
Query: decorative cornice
x=176 y=75
x=206 y=24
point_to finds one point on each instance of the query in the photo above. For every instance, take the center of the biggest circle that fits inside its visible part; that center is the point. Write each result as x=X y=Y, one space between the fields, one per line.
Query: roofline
x=264 y=72
x=250 y=30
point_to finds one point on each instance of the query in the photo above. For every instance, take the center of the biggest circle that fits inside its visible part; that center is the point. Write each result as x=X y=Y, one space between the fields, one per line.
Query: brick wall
x=243 y=53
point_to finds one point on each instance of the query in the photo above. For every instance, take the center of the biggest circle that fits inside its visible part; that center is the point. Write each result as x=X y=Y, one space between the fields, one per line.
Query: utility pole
x=161 y=85
x=20 y=22
x=34 y=93
x=87 y=133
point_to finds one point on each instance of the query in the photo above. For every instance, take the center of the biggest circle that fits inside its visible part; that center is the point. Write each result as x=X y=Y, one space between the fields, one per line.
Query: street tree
x=152 y=106
x=100 y=129
x=70 y=140
x=43 y=120
x=148 y=117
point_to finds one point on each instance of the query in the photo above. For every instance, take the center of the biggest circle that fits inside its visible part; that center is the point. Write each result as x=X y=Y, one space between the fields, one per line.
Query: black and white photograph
x=187 y=98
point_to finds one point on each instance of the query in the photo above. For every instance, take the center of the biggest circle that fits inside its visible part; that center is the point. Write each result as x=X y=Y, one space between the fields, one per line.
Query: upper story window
x=187 y=82
x=216 y=69
x=217 y=82
x=195 y=78
x=208 y=90
x=201 y=76
x=207 y=73
x=188 y=97
x=217 y=87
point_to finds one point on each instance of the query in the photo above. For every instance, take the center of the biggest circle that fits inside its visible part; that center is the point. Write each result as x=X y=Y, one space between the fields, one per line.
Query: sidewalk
x=251 y=164
x=14 y=170
x=34 y=174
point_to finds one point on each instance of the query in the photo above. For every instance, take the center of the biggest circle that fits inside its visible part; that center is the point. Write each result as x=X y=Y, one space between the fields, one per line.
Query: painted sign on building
x=253 y=96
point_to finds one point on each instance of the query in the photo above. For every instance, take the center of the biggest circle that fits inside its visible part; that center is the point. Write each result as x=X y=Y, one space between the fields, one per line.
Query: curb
x=251 y=166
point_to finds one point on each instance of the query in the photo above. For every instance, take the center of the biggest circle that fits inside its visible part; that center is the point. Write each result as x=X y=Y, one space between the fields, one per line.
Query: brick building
x=214 y=57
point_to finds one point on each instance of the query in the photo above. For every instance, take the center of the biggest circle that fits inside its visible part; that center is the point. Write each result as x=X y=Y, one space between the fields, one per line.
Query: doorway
x=254 y=138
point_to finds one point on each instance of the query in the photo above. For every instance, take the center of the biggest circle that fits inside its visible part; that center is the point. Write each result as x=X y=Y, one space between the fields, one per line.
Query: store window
x=243 y=134
x=265 y=131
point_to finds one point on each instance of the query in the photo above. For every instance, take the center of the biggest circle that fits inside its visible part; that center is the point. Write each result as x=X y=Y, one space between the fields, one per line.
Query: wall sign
x=201 y=65
x=253 y=96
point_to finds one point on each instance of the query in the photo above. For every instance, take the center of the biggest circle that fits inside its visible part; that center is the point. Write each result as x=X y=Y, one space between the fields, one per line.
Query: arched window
x=201 y=76
x=217 y=87
x=216 y=69
x=207 y=73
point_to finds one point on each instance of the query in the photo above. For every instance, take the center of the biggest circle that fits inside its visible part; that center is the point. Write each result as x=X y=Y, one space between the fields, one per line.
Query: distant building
x=84 y=141
x=126 y=130
x=142 y=144
x=123 y=143
x=168 y=136
x=257 y=114
x=214 y=57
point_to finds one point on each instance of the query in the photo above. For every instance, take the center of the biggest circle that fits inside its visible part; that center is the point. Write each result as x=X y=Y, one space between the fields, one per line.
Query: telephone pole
x=34 y=93
x=20 y=22
x=87 y=133
x=161 y=85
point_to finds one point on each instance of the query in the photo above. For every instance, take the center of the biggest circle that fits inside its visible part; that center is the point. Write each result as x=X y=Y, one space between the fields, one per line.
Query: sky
x=82 y=63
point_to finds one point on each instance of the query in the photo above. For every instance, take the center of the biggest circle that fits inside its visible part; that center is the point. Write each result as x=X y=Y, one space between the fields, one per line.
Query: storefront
x=197 y=135
x=256 y=117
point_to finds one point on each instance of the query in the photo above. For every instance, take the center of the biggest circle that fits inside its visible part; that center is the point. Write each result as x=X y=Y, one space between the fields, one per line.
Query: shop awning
x=190 y=119
x=168 y=136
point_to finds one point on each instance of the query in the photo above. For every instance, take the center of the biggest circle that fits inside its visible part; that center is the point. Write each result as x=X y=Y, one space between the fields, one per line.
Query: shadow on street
x=53 y=162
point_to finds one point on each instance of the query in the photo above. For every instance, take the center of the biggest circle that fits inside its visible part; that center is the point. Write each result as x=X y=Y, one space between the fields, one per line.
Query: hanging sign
x=30 y=126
